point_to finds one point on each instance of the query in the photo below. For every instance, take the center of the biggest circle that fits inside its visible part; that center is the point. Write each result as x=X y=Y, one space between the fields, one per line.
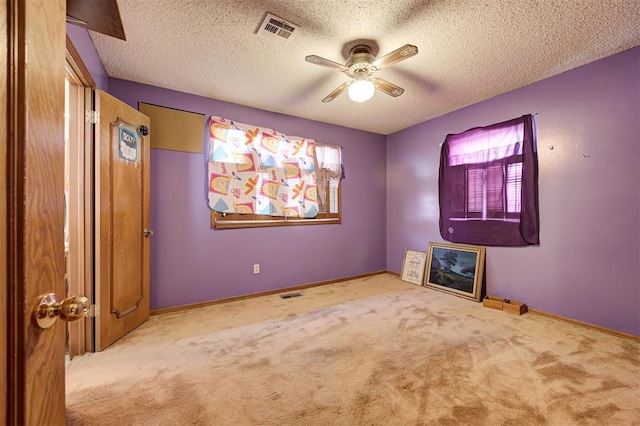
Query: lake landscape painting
x=455 y=268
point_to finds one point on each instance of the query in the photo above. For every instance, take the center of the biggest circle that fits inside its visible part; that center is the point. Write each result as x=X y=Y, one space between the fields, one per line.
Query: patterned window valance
x=255 y=170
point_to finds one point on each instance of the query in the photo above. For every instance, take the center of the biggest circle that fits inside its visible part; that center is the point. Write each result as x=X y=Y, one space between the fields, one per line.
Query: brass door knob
x=49 y=309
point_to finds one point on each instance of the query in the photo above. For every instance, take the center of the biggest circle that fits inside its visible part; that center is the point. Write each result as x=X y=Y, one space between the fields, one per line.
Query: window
x=489 y=191
x=328 y=176
x=329 y=213
x=488 y=185
x=259 y=177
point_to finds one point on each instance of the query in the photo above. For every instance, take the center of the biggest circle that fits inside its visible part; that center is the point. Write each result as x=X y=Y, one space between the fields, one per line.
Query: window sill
x=237 y=224
x=479 y=219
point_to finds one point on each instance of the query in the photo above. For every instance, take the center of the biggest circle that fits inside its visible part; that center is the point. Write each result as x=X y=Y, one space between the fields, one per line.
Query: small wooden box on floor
x=493 y=302
x=514 y=307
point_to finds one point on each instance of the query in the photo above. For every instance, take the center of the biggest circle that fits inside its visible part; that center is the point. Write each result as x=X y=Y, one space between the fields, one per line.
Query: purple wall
x=191 y=263
x=84 y=45
x=587 y=266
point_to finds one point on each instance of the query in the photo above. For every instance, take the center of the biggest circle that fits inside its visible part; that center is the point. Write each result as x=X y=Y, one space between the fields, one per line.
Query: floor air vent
x=290 y=295
x=275 y=27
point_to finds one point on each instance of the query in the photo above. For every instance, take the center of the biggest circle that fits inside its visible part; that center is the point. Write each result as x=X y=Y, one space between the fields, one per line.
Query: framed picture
x=413 y=266
x=456 y=269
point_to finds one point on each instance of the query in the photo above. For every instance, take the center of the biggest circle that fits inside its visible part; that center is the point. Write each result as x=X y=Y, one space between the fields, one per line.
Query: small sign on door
x=128 y=141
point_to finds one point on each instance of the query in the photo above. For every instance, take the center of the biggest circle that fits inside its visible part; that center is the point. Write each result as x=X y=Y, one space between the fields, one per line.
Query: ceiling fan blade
x=76 y=21
x=100 y=16
x=336 y=92
x=406 y=51
x=386 y=87
x=315 y=59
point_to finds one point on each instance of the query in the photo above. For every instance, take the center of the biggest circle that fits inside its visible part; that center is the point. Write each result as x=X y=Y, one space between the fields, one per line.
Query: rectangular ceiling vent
x=274 y=27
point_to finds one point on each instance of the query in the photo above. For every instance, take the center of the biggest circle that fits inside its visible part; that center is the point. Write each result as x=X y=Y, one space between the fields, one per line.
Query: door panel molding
x=126 y=233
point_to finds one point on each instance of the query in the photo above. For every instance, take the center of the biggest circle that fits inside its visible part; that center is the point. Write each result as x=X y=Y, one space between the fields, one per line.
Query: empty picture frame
x=413 y=266
x=456 y=269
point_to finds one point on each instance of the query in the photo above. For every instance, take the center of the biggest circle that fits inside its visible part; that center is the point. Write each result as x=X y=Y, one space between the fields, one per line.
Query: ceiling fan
x=360 y=66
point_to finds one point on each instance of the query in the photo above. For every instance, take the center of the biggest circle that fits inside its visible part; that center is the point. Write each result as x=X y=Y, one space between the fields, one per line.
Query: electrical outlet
x=256 y=268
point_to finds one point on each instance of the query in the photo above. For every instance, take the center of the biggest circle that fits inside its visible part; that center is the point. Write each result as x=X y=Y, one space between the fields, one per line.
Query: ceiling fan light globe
x=361 y=90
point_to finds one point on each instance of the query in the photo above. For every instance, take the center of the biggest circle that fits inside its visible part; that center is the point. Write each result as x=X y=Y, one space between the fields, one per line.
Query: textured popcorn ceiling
x=469 y=51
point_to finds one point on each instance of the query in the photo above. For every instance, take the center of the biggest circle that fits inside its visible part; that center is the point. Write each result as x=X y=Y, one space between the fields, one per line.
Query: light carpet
x=371 y=351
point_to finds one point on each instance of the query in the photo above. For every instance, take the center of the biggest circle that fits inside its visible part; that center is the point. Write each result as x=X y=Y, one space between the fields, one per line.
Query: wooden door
x=31 y=208
x=122 y=216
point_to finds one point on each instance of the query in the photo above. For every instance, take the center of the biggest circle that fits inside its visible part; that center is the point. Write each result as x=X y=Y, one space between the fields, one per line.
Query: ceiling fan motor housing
x=359 y=62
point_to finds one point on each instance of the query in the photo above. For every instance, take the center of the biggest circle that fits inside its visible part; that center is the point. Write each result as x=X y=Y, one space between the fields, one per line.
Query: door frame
x=4 y=289
x=81 y=215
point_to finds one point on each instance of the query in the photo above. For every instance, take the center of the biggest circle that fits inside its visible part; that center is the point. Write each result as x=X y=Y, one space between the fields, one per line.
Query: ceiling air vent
x=272 y=26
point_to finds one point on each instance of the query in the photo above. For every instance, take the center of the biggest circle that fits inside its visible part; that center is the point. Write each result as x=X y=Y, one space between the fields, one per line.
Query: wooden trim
x=88 y=221
x=5 y=317
x=76 y=169
x=218 y=224
x=77 y=65
x=82 y=331
x=15 y=188
x=397 y=274
x=262 y=293
x=585 y=324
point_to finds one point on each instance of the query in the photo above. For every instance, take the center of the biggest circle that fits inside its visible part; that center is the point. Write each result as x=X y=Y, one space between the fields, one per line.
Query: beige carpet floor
x=372 y=351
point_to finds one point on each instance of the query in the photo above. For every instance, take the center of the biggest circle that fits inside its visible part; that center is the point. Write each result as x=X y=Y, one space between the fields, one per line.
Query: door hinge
x=94 y=311
x=92 y=117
